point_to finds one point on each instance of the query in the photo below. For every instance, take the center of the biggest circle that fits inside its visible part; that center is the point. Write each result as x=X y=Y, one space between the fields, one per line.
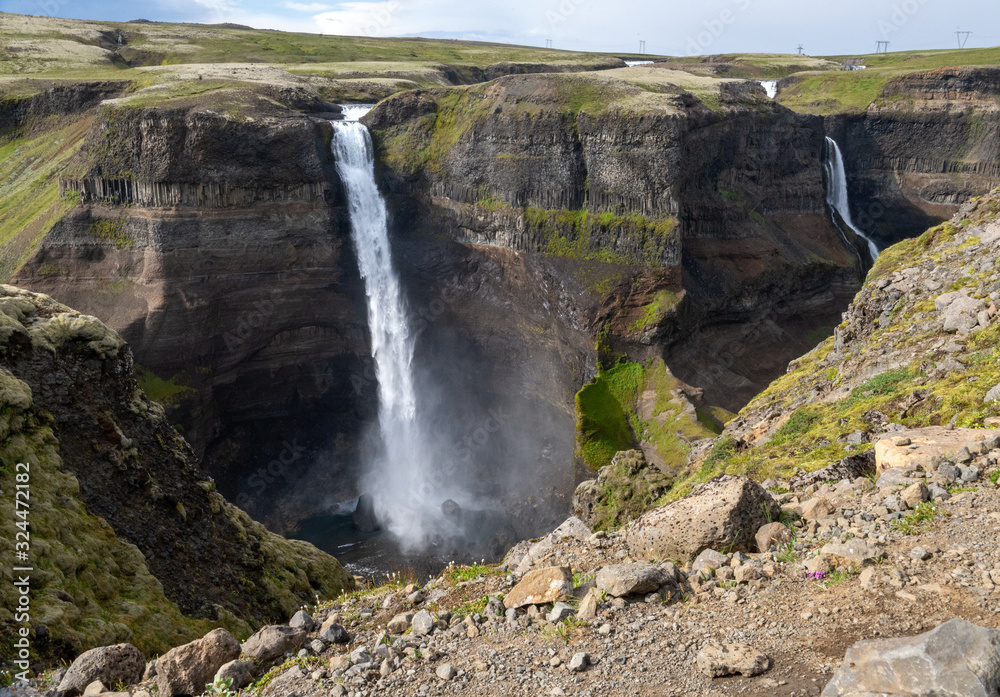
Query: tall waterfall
x=836 y=191
x=399 y=470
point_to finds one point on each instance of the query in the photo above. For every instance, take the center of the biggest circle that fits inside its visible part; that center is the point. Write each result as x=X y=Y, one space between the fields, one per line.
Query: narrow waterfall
x=771 y=87
x=836 y=191
x=403 y=463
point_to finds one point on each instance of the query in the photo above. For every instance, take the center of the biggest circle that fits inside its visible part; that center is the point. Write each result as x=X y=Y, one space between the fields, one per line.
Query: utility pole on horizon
x=963 y=37
x=881 y=47
x=642 y=47
x=548 y=43
x=800 y=49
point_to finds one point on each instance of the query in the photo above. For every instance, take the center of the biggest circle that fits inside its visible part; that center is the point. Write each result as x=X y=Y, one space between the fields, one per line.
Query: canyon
x=549 y=221
x=525 y=221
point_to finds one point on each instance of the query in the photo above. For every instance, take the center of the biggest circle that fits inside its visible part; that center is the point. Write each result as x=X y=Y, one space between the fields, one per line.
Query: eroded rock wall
x=929 y=143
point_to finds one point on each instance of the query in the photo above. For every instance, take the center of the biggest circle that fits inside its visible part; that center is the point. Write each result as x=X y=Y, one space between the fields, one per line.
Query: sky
x=669 y=27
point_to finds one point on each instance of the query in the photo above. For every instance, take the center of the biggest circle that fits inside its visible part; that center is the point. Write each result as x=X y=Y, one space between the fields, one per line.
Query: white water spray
x=395 y=478
x=771 y=87
x=836 y=191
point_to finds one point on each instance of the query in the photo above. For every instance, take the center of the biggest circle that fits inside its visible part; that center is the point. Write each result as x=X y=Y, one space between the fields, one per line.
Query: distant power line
x=963 y=37
x=800 y=49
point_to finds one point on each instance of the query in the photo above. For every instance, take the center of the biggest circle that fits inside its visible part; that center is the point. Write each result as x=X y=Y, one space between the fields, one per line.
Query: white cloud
x=361 y=18
x=310 y=7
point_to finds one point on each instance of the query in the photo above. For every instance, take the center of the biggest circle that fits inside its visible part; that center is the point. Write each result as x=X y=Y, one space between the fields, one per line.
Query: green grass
x=173 y=44
x=852 y=91
x=838 y=576
x=166 y=392
x=787 y=553
x=602 y=423
x=918 y=520
x=458 y=574
x=30 y=205
x=473 y=607
x=309 y=662
x=654 y=312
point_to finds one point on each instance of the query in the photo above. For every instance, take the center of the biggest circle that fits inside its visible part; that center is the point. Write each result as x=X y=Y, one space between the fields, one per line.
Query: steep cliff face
x=639 y=190
x=928 y=143
x=211 y=237
x=129 y=540
x=917 y=347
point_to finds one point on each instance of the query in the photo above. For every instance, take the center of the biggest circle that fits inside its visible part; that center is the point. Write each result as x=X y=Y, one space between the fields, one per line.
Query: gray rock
x=185 y=670
x=895 y=503
x=855 y=551
x=708 y=561
x=725 y=573
x=914 y=495
x=920 y=553
x=850 y=468
x=120 y=663
x=588 y=607
x=949 y=472
x=579 y=662
x=335 y=634
x=150 y=671
x=571 y=529
x=955 y=659
x=495 y=609
x=970 y=473
x=964 y=455
x=619 y=580
x=273 y=641
x=938 y=492
x=302 y=620
x=726 y=512
x=422 y=623
x=959 y=312
x=400 y=623
x=445 y=671
x=282 y=684
x=240 y=672
x=771 y=536
x=95 y=688
x=360 y=656
x=718 y=660
x=895 y=477
x=745 y=573
x=560 y=611
x=364 y=516
x=317 y=646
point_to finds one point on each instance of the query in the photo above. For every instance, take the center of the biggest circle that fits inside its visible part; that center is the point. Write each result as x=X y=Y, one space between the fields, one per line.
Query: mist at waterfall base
x=445 y=466
x=836 y=193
